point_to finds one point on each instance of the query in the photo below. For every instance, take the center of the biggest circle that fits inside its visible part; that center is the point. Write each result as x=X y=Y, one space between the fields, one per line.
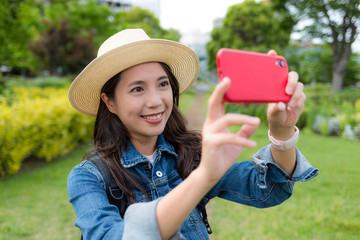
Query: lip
x=153 y=118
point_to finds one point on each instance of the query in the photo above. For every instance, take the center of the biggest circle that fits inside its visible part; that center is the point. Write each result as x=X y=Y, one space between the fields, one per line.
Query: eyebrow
x=142 y=82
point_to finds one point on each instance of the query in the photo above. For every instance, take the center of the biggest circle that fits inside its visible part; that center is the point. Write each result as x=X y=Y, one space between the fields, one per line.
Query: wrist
x=288 y=143
x=206 y=180
x=282 y=133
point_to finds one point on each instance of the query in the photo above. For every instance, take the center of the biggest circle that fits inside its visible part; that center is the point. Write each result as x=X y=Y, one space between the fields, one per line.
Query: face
x=143 y=100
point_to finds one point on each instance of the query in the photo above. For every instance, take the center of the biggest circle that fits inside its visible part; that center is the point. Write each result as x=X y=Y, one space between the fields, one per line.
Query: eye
x=137 y=89
x=164 y=83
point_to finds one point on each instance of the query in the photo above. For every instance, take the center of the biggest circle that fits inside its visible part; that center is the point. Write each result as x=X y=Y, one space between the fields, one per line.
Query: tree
x=75 y=29
x=19 y=22
x=87 y=18
x=62 y=51
x=312 y=62
x=57 y=30
x=335 y=22
x=251 y=25
x=145 y=19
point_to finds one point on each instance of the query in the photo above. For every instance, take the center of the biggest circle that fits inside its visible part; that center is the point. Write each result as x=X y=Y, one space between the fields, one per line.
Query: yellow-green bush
x=39 y=122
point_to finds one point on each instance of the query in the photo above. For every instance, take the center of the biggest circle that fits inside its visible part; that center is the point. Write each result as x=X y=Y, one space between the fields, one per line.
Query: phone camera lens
x=280 y=63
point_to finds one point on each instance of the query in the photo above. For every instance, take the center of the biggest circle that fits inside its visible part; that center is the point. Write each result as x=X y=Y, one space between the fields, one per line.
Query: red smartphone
x=255 y=77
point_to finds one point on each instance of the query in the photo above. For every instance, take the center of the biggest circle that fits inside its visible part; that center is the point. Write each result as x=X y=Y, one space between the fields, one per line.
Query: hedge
x=41 y=123
x=324 y=113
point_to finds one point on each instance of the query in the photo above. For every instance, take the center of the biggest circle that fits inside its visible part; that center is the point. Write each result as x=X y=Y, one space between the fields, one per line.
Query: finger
x=272 y=52
x=275 y=110
x=279 y=107
x=231 y=119
x=292 y=82
x=300 y=102
x=298 y=93
x=247 y=130
x=216 y=102
x=229 y=138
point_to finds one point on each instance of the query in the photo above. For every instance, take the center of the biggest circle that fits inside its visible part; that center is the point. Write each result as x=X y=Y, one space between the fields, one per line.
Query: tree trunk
x=339 y=67
x=337 y=81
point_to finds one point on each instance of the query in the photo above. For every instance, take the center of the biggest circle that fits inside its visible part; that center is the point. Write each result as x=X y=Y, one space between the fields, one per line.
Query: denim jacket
x=259 y=183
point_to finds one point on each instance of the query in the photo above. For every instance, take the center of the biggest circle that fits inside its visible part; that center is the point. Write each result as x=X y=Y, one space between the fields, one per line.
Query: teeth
x=153 y=117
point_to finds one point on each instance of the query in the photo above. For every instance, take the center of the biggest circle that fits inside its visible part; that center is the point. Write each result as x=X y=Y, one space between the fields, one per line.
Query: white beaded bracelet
x=284 y=145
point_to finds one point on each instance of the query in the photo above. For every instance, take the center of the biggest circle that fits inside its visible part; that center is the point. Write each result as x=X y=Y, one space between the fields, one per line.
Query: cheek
x=170 y=101
x=125 y=109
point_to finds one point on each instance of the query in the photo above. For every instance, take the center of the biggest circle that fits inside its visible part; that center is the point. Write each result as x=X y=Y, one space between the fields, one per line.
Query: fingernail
x=252 y=144
x=256 y=120
x=289 y=90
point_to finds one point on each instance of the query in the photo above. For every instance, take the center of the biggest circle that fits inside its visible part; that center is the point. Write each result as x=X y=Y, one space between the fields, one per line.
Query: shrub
x=333 y=127
x=320 y=125
x=39 y=122
x=328 y=113
x=257 y=110
x=357 y=131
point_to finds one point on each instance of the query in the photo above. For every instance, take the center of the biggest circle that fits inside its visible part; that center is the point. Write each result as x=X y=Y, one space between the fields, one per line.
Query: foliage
x=257 y=110
x=352 y=73
x=324 y=113
x=335 y=22
x=19 y=21
x=62 y=51
x=64 y=35
x=142 y=18
x=41 y=123
x=314 y=64
x=250 y=25
x=8 y=85
x=86 y=18
x=329 y=114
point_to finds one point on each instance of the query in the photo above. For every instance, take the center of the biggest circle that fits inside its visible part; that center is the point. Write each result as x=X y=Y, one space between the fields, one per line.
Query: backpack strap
x=201 y=207
x=115 y=195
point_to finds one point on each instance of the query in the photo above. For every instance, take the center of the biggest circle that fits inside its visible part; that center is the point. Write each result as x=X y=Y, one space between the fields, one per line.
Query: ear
x=109 y=103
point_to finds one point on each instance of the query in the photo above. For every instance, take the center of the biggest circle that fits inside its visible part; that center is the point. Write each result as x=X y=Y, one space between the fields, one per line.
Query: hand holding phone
x=255 y=77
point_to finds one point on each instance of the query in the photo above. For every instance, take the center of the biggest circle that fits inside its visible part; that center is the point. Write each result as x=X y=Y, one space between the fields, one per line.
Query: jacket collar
x=132 y=157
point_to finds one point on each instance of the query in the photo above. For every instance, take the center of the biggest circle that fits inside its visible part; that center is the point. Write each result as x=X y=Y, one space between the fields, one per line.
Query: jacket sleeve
x=97 y=218
x=261 y=182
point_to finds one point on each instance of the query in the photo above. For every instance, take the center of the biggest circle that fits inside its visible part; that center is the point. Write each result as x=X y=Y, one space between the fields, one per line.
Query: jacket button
x=159 y=174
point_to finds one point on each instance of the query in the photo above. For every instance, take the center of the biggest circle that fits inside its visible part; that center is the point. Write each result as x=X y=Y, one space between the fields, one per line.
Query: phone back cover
x=255 y=77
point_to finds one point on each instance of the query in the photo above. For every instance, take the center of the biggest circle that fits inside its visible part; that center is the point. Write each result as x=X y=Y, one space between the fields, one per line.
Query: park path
x=195 y=114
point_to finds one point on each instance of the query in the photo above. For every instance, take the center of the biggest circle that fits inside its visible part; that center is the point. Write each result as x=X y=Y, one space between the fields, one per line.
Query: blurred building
x=218 y=22
x=126 y=5
x=197 y=40
x=117 y=5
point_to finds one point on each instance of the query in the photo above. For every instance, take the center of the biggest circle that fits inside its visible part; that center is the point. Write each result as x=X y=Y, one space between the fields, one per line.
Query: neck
x=145 y=146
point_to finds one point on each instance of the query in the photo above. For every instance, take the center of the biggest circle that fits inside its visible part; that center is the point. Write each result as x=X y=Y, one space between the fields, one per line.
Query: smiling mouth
x=153 y=117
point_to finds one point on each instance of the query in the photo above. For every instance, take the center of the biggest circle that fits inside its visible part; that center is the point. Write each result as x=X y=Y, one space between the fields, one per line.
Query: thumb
x=276 y=111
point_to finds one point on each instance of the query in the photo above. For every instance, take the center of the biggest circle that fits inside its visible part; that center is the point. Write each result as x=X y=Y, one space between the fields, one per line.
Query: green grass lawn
x=327 y=207
x=34 y=204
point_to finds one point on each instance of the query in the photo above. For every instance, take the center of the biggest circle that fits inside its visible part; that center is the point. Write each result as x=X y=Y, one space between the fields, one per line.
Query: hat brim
x=84 y=92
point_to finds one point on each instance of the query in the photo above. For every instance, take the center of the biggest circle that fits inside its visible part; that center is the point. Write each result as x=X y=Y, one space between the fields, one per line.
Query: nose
x=153 y=99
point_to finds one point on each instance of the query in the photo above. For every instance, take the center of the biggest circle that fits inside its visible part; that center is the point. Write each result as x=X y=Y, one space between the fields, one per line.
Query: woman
x=165 y=170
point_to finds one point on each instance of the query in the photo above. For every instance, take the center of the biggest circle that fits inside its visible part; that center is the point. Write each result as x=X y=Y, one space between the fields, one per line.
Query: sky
x=196 y=15
x=190 y=15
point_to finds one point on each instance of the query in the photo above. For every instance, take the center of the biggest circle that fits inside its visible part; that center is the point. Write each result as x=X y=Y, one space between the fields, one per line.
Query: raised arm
x=282 y=119
x=220 y=151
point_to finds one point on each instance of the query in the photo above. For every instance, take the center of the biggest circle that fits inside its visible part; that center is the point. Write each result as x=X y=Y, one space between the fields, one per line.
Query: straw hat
x=126 y=49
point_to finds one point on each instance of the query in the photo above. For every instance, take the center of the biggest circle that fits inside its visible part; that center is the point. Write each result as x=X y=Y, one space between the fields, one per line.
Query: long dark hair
x=111 y=137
